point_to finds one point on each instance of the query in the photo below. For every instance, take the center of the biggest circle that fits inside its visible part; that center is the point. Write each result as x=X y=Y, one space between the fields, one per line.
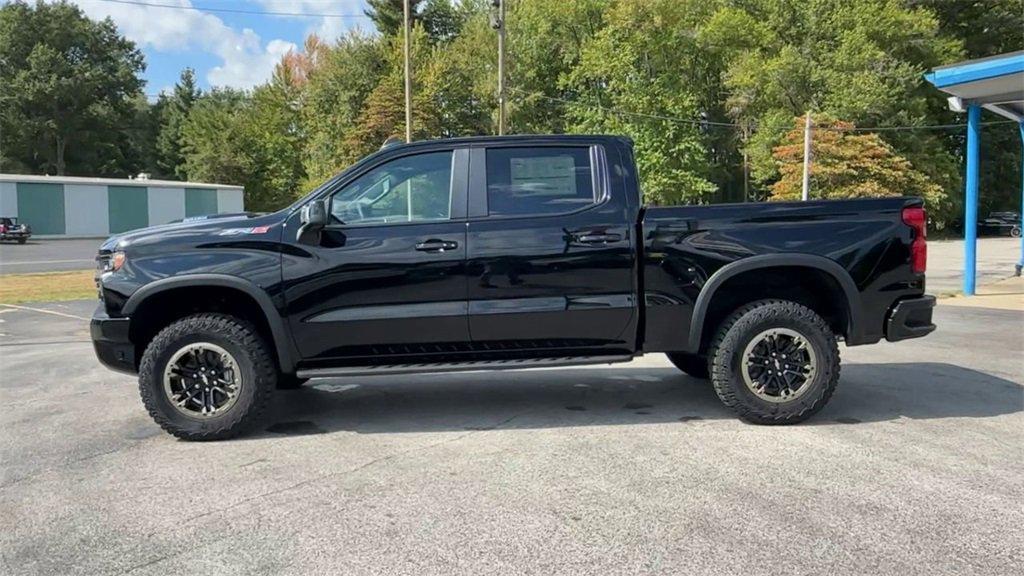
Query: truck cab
x=498 y=253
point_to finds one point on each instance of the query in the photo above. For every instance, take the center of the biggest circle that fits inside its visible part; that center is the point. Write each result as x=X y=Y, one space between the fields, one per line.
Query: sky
x=224 y=48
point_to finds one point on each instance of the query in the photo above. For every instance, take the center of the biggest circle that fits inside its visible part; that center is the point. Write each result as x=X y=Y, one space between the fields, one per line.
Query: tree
x=442 y=20
x=214 y=141
x=847 y=164
x=333 y=99
x=546 y=42
x=636 y=77
x=986 y=28
x=274 y=129
x=858 y=60
x=174 y=110
x=68 y=86
x=389 y=15
x=253 y=140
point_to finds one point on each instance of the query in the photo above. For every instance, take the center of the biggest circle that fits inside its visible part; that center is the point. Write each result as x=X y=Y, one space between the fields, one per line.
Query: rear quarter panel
x=684 y=247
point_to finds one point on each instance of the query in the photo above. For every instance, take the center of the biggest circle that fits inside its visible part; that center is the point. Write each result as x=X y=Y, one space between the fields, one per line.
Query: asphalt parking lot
x=46 y=255
x=916 y=467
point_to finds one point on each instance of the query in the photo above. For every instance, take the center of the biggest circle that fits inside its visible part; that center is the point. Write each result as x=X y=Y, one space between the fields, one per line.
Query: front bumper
x=910 y=318
x=111 y=342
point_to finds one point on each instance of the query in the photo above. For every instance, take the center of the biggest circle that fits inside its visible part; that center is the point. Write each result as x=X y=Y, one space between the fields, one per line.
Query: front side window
x=408 y=189
x=540 y=180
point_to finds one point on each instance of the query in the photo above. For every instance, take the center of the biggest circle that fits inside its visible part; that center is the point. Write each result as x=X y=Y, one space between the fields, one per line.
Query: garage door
x=41 y=206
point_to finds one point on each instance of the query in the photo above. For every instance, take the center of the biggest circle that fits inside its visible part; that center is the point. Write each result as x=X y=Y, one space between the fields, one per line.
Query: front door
x=550 y=253
x=386 y=280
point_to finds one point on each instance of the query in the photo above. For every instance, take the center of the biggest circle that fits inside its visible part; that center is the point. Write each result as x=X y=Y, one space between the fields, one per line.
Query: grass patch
x=48 y=287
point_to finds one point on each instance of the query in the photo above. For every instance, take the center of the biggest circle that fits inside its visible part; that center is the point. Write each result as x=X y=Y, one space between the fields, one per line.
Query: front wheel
x=23 y=240
x=207 y=377
x=774 y=362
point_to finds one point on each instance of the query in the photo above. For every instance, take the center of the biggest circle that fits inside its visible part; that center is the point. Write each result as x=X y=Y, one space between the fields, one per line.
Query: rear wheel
x=691 y=364
x=207 y=377
x=774 y=362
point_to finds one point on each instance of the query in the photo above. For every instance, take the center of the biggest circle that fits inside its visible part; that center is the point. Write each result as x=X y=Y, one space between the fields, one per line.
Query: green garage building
x=65 y=206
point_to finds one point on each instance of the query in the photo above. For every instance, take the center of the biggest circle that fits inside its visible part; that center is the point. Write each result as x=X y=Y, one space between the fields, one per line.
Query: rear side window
x=544 y=180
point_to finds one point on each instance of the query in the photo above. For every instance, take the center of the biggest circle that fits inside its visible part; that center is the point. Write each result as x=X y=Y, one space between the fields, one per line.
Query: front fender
x=282 y=337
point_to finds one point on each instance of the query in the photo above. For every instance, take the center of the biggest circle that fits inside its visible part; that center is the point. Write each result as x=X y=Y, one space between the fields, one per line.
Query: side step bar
x=470 y=366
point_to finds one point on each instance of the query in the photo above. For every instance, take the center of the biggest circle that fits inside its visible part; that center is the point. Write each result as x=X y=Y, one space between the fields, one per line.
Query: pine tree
x=389 y=15
x=173 y=115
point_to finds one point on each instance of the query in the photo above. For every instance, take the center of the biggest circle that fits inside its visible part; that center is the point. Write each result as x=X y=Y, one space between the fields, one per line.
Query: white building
x=68 y=206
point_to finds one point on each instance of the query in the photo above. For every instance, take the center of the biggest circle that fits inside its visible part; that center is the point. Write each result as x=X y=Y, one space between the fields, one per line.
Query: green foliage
x=174 y=110
x=255 y=140
x=67 y=87
x=639 y=64
x=337 y=87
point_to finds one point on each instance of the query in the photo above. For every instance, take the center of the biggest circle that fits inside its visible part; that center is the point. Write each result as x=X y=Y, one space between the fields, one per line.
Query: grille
x=102 y=262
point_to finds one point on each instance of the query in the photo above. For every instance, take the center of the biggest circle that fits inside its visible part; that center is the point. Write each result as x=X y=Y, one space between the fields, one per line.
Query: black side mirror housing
x=314 y=217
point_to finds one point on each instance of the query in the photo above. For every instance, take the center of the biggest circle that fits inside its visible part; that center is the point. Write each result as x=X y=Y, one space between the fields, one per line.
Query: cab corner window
x=544 y=180
x=407 y=189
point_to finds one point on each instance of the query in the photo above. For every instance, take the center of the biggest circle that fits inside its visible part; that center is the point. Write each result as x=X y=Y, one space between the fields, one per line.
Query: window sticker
x=544 y=175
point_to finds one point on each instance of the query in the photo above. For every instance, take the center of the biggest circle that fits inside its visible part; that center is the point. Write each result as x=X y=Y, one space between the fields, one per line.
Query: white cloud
x=246 y=61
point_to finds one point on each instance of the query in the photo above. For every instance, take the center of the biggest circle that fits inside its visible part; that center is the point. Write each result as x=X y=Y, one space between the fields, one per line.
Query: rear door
x=550 y=251
x=386 y=281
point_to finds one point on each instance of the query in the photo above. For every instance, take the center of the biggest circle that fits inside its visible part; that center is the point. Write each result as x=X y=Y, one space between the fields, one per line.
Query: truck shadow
x=617 y=396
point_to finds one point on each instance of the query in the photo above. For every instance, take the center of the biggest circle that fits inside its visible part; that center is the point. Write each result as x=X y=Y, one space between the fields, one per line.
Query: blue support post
x=971 y=198
x=1020 y=263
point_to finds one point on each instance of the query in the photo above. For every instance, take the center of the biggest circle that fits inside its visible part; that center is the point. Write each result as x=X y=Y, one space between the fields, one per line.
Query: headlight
x=113 y=262
x=117 y=261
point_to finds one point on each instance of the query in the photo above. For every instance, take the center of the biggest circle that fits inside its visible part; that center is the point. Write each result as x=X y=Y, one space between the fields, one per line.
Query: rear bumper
x=111 y=343
x=910 y=318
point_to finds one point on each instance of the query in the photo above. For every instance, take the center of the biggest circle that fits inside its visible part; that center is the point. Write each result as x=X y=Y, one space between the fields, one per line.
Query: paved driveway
x=916 y=467
x=996 y=260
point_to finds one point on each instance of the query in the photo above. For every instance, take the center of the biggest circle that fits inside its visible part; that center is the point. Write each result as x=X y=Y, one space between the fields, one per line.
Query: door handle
x=597 y=238
x=435 y=245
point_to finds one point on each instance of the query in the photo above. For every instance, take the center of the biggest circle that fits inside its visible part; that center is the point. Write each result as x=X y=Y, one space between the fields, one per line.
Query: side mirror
x=313 y=217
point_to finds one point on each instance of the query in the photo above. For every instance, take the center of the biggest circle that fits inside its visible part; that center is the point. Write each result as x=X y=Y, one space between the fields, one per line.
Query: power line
x=625 y=113
x=233 y=10
x=908 y=128
x=738 y=126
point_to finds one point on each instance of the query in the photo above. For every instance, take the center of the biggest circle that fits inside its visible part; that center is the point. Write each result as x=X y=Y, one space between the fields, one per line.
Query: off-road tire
x=243 y=342
x=740 y=328
x=290 y=382
x=691 y=364
x=22 y=240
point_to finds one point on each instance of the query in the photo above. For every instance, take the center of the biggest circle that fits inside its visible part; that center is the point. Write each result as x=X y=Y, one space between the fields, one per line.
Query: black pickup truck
x=498 y=253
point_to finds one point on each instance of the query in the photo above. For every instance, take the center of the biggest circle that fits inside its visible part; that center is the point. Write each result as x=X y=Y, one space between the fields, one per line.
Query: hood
x=214 y=224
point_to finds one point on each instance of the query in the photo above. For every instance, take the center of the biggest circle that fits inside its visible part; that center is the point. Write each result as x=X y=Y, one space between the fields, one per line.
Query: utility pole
x=807 y=158
x=408 y=76
x=746 y=162
x=498 y=23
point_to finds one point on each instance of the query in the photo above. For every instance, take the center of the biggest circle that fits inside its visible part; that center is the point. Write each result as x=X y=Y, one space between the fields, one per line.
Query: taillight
x=917 y=219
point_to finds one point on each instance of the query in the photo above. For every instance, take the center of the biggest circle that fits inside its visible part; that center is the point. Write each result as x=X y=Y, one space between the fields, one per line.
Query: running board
x=470 y=366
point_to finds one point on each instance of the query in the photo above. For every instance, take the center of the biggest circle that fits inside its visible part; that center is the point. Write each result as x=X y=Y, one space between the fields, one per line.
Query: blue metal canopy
x=996 y=84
